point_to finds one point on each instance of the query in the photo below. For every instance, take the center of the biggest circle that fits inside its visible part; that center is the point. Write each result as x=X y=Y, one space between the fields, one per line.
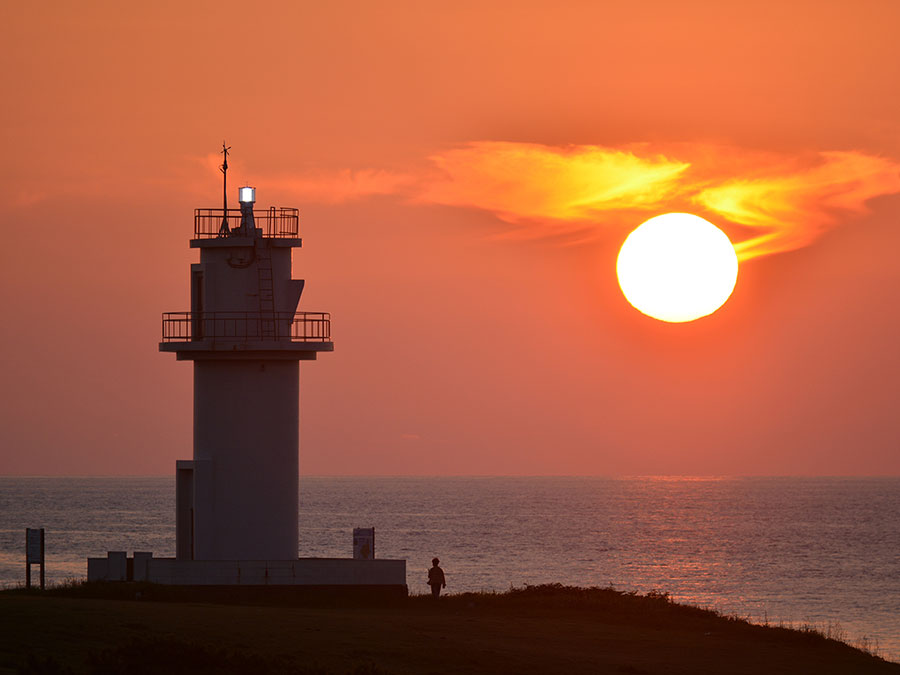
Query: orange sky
x=466 y=175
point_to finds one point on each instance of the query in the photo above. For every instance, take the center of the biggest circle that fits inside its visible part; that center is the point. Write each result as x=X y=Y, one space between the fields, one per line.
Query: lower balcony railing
x=249 y=326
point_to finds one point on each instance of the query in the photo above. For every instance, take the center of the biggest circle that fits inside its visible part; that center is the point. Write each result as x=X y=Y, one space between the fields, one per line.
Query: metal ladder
x=268 y=325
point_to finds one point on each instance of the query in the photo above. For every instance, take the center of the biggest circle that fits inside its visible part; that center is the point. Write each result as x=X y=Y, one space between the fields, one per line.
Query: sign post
x=34 y=553
x=364 y=543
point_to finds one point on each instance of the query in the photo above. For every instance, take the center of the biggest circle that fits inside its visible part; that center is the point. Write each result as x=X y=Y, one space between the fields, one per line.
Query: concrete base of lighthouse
x=318 y=572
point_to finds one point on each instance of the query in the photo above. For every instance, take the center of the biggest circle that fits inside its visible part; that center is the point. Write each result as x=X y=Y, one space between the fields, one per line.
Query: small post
x=364 y=543
x=42 y=558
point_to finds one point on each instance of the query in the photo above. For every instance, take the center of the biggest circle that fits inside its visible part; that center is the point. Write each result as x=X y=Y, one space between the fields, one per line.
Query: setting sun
x=677 y=267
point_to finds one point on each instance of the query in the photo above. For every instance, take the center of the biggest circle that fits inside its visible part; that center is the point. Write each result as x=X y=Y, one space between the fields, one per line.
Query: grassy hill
x=136 y=629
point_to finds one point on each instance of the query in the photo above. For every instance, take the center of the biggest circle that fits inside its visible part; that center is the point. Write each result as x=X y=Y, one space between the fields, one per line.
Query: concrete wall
x=141 y=565
x=184 y=509
x=301 y=572
x=298 y=572
x=114 y=567
x=117 y=565
x=98 y=569
x=231 y=278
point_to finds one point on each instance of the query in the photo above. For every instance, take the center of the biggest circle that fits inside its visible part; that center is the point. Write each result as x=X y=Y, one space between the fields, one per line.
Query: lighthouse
x=236 y=499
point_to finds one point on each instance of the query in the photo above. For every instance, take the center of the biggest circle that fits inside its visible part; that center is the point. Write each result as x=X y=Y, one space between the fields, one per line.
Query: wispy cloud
x=791 y=207
x=787 y=202
x=343 y=185
x=315 y=186
x=540 y=187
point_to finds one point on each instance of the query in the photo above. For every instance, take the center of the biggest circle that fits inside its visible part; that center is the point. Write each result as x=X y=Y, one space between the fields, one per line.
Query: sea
x=820 y=552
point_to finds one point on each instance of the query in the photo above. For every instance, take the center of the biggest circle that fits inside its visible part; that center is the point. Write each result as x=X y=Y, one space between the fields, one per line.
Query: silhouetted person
x=436 y=579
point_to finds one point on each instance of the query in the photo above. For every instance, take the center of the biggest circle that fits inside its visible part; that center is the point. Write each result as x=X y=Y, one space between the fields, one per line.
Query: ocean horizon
x=821 y=551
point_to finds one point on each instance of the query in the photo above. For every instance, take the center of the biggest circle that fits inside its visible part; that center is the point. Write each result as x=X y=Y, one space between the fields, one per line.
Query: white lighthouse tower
x=237 y=498
x=236 y=520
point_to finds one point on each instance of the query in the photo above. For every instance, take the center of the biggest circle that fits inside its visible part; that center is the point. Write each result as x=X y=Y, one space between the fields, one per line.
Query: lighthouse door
x=196 y=305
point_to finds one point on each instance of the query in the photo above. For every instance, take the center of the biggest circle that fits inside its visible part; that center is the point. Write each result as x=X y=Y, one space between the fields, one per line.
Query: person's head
x=435 y=562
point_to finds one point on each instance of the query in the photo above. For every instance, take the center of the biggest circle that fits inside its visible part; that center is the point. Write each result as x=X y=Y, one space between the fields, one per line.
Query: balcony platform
x=195 y=350
x=246 y=242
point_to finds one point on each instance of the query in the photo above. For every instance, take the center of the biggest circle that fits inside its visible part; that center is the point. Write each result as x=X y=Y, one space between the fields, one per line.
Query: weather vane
x=224 y=169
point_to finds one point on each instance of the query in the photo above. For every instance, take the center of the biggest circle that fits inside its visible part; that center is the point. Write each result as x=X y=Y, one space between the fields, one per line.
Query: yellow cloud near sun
x=555 y=187
x=549 y=190
x=791 y=208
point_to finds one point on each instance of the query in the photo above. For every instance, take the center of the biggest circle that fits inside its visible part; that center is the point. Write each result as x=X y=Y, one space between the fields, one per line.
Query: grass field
x=134 y=629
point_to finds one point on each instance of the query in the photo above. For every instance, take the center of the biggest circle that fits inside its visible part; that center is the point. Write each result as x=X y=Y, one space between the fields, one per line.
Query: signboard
x=33 y=545
x=364 y=543
x=34 y=553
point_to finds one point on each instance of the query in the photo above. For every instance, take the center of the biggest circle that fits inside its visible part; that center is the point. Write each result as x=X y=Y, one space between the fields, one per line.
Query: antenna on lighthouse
x=224 y=230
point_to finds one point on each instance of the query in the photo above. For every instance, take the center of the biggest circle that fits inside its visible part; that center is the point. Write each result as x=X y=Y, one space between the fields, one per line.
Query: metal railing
x=246 y=326
x=282 y=223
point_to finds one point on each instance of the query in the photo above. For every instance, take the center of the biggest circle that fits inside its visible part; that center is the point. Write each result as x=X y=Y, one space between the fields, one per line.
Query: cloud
x=546 y=191
x=342 y=185
x=790 y=208
x=542 y=187
x=316 y=186
x=766 y=202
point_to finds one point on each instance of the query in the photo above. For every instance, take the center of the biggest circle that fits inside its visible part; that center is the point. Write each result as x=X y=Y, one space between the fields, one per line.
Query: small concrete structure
x=140 y=566
x=117 y=565
x=236 y=519
x=299 y=572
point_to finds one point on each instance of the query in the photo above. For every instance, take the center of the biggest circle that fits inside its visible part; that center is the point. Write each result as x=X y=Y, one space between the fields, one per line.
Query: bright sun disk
x=677 y=267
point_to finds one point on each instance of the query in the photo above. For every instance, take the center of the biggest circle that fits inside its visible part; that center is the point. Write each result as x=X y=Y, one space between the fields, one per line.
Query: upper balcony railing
x=281 y=223
x=246 y=326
